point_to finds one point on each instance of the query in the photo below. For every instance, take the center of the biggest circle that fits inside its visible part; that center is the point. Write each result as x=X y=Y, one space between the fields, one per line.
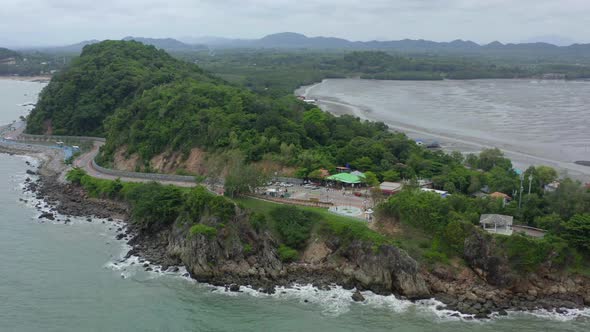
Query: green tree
x=550 y=222
x=502 y=180
x=391 y=175
x=454 y=235
x=569 y=199
x=371 y=179
x=577 y=231
x=545 y=174
x=491 y=158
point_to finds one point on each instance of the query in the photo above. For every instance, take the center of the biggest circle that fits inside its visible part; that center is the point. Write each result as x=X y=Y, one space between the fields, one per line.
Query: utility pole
x=530 y=181
x=521 y=188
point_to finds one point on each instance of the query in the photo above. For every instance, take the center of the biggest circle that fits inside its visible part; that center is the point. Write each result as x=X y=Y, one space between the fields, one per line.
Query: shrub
x=258 y=221
x=454 y=235
x=207 y=231
x=154 y=203
x=526 y=254
x=433 y=256
x=287 y=254
x=293 y=224
x=247 y=248
x=75 y=175
x=199 y=202
x=349 y=230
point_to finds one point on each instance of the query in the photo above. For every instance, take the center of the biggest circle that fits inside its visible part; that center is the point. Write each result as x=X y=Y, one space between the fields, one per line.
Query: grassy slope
x=415 y=241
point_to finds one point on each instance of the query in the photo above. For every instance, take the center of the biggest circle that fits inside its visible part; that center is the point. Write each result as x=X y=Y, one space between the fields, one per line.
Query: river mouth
x=533 y=123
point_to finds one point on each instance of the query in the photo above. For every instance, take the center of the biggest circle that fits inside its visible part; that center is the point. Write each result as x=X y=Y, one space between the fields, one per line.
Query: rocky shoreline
x=390 y=271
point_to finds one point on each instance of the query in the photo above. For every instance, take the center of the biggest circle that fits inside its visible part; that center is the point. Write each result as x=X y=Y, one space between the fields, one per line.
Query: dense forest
x=279 y=72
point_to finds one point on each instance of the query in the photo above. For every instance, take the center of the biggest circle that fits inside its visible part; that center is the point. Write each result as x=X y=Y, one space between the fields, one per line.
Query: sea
x=535 y=122
x=72 y=277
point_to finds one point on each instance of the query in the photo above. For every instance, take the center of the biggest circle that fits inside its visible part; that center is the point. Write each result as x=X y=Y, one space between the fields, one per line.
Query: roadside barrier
x=139 y=175
x=29 y=137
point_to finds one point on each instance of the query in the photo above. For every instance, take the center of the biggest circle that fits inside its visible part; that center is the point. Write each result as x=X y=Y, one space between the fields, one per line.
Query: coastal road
x=85 y=162
x=54 y=163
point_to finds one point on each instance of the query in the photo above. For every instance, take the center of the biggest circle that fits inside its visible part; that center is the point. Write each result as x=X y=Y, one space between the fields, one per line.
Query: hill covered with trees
x=107 y=76
x=139 y=96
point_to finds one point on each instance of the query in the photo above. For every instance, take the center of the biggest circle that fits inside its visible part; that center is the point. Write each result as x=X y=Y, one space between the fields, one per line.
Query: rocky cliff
x=238 y=254
x=488 y=283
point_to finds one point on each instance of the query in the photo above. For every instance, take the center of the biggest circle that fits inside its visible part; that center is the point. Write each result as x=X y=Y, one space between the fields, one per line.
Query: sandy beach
x=337 y=98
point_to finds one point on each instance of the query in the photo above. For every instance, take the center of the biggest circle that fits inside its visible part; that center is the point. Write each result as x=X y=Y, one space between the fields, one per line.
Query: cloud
x=68 y=21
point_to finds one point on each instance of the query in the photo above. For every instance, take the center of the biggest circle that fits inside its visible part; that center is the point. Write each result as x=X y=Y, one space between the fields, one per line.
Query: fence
x=29 y=137
x=288 y=180
x=292 y=201
x=147 y=176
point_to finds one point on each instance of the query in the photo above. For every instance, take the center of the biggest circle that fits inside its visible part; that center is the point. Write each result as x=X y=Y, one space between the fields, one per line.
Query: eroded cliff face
x=167 y=162
x=385 y=270
x=238 y=254
x=488 y=283
x=480 y=254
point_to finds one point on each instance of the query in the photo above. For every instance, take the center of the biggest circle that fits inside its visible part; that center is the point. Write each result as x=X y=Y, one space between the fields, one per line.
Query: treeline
x=278 y=73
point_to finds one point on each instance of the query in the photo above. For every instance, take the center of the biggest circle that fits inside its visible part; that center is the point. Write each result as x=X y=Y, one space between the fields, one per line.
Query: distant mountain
x=74 y=48
x=212 y=40
x=168 y=44
x=291 y=40
x=550 y=39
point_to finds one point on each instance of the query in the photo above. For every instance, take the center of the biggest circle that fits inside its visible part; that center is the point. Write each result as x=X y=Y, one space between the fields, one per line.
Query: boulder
x=47 y=215
x=358 y=297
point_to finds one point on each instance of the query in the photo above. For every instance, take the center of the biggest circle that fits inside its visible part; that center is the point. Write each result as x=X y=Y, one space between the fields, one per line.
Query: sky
x=61 y=22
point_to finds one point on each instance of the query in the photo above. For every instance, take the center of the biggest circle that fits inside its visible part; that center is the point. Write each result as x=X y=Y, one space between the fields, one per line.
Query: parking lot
x=358 y=197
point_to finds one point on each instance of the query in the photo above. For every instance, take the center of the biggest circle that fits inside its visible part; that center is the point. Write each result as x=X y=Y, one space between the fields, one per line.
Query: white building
x=497 y=223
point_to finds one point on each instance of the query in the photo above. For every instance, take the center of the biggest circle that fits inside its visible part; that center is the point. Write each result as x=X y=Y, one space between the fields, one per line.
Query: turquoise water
x=56 y=277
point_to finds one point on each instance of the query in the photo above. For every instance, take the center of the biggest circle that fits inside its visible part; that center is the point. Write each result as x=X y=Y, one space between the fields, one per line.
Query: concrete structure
x=551 y=187
x=442 y=193
x=390 y=188
x=530 y=231
x=497 y=223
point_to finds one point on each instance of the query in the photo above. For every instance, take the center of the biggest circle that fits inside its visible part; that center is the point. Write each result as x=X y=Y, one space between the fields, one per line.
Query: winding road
x=13 y=141
x=85 y=162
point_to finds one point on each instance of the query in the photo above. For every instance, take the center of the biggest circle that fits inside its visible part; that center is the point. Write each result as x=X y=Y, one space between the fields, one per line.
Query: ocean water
x=58 y=277
x=534 y=122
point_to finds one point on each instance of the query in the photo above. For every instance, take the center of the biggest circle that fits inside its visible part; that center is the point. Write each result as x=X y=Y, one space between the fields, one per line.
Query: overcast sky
x=56 y=22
